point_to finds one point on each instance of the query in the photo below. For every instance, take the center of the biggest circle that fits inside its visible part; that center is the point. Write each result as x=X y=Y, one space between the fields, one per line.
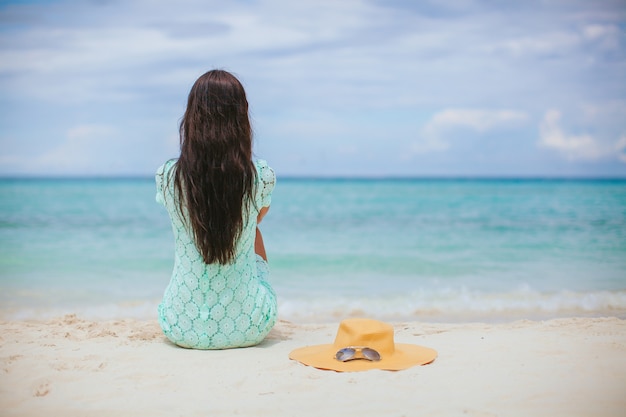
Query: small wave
x=441 y=306
x=458 y=306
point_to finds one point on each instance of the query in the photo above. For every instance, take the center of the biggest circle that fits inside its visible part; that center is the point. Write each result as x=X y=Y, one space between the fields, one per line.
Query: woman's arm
x=259 y=246
x=262 y=214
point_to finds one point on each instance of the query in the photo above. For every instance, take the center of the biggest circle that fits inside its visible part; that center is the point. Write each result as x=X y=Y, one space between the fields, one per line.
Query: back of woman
x=215 y=194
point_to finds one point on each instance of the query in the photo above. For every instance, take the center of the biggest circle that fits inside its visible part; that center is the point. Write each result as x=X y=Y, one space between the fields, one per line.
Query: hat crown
x=366 y=332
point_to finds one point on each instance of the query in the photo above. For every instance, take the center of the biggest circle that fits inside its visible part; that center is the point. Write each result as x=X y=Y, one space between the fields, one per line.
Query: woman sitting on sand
x=215 y=194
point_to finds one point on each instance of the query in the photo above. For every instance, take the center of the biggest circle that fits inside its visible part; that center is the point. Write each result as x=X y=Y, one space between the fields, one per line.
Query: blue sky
x=337 y=88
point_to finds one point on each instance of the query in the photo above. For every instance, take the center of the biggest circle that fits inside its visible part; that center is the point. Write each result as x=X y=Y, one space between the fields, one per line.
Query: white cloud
x=540 y=44
x=606 y=36
x=563 y=42
x=574 y=147
x=85 y=133
x=597 y=31
x=84 y=149
x=475 y=119
x=88 y=149
x=433 y=136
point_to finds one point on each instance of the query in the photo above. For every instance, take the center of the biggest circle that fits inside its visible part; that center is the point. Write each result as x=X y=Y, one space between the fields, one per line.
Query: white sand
x=74 y=367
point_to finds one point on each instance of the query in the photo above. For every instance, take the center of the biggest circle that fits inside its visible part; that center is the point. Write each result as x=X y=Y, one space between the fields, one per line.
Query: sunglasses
x=357 y=352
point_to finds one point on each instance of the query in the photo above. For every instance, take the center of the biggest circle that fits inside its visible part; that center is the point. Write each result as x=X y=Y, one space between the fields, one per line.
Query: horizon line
x=330 y=177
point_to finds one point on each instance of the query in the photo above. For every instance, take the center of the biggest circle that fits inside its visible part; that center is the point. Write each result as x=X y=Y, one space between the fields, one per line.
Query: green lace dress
x=213 y=306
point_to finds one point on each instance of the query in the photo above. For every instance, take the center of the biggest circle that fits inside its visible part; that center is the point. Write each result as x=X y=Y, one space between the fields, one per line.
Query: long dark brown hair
x=215 y=175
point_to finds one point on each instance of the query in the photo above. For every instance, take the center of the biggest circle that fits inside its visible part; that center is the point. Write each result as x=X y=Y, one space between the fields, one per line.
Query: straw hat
x=363 y=344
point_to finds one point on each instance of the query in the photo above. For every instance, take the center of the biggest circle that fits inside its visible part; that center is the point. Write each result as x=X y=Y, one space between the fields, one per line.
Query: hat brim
x=404 y=356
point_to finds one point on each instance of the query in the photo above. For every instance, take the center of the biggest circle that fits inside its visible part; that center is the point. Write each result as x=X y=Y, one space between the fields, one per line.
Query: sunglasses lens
x=371 y=354
x=345 y=354
x=350 y=353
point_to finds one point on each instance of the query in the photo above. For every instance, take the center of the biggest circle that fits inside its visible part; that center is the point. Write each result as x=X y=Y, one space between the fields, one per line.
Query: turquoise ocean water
x=432 y=250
